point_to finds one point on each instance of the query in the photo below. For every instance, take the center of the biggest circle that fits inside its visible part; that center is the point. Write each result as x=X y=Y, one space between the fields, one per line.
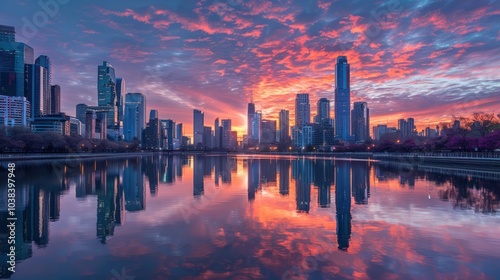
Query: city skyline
x=231 y=53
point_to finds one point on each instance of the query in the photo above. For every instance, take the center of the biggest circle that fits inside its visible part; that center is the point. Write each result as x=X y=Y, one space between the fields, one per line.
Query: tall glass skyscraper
x=198 y=124
x=323 y=114
x=135 y=116
x=342 y=99
x=106 y=91
x=14 y=59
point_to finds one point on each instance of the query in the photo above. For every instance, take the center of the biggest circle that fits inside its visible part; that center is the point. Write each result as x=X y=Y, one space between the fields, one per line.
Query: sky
x=429 y=60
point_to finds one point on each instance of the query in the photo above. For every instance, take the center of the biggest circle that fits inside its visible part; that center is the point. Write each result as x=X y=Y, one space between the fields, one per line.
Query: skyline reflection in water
x=211 y=217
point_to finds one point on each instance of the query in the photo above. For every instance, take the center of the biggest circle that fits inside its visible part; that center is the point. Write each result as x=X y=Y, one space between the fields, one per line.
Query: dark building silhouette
x=343 y=203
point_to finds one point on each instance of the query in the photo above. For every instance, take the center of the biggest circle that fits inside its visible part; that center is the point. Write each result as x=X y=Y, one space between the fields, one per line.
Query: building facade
x=342 y=99
x=360 y=118
x=134 y=116
x=14 y=111
x=198 y=128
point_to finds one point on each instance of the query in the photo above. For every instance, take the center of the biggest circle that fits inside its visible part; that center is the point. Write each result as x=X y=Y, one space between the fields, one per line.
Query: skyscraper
x=323 y=114
x=250 y=114
x=106 y=91
x=342 y=99
x=268 y=132
x=14 y=111
x=55 y=99
x=302 y=110
x=135 y=116
x=43 y=76
x=14 y=59
x=121 y=90
x=217 y=134
x=256 y=123
x=81 y=109
x=151 y=137
x=226 y=133
x=284 y=133
x=360 y=117
x=198 y=124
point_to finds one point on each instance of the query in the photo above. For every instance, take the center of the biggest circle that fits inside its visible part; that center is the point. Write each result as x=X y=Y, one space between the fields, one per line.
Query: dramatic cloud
x=424 y=59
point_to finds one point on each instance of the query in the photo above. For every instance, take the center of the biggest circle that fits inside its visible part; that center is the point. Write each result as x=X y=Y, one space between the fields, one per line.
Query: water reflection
x=279 y=190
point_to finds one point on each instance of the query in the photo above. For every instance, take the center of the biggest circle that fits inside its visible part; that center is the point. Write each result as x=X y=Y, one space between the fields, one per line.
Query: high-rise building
x=207 y=137
x=268 y=132
x=302 y=110
x=178 y=131
x=256 y=126
x=198 y=127
x=250 y=115
x=284 y=133
x=217 y=134
x=55 y=99
x=121 y=90
x=106 y=91
x=323 y=111
x=342 y=99
x=226 y=133
x=379 y=131
x=14 y=110
x=42 y=93
x=135 y=116
x=168 y=127
x=75 y=127
x=360 y=118
x=15 y=59
x=151 y=135
x=406 y=127
x=81 y=109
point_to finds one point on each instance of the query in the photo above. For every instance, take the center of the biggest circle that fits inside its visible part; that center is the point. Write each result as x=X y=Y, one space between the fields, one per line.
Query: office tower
x=226 y=133
x=41 y=100
x=198 y=124
x=360 y=120
x=106 y=91
x=323 y=111
x=268 y=132
x=250 y=114
x=151 y=135
x=207 y=137
x=15 y=59
x=55 y=99
x=75 y=127
x=81 y=109
x=135 y=116
x=284 y=133
x=121 y=90
x=302 y=110
x=168 y=127
x=14 y=110
x=379 y=131
x=256 y=126
x=233 y=139
x=178 y=131
x=411 y=126
x=217 y=134
x=342 y=99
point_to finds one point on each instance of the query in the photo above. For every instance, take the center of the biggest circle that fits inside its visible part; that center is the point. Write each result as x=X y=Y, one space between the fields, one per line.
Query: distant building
x=14 y=111
x=360 y=121
x=207 y=137
x=256 y=126
x=90 y=123
x=121 y=91
x=81 y=109
x=151 y=136
x=134 y=116
x=42 y=91
x=226 y=133
x=302 y=110
x=55 y=99
x=342 y=99
x=323 y=111
x=284 y=132
x=268 y=132
x=75 y=127
x=250 y=115
x=198 y=128
x=168 y=126
x=217 y=134
x=406 y=127
x=58 y=123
